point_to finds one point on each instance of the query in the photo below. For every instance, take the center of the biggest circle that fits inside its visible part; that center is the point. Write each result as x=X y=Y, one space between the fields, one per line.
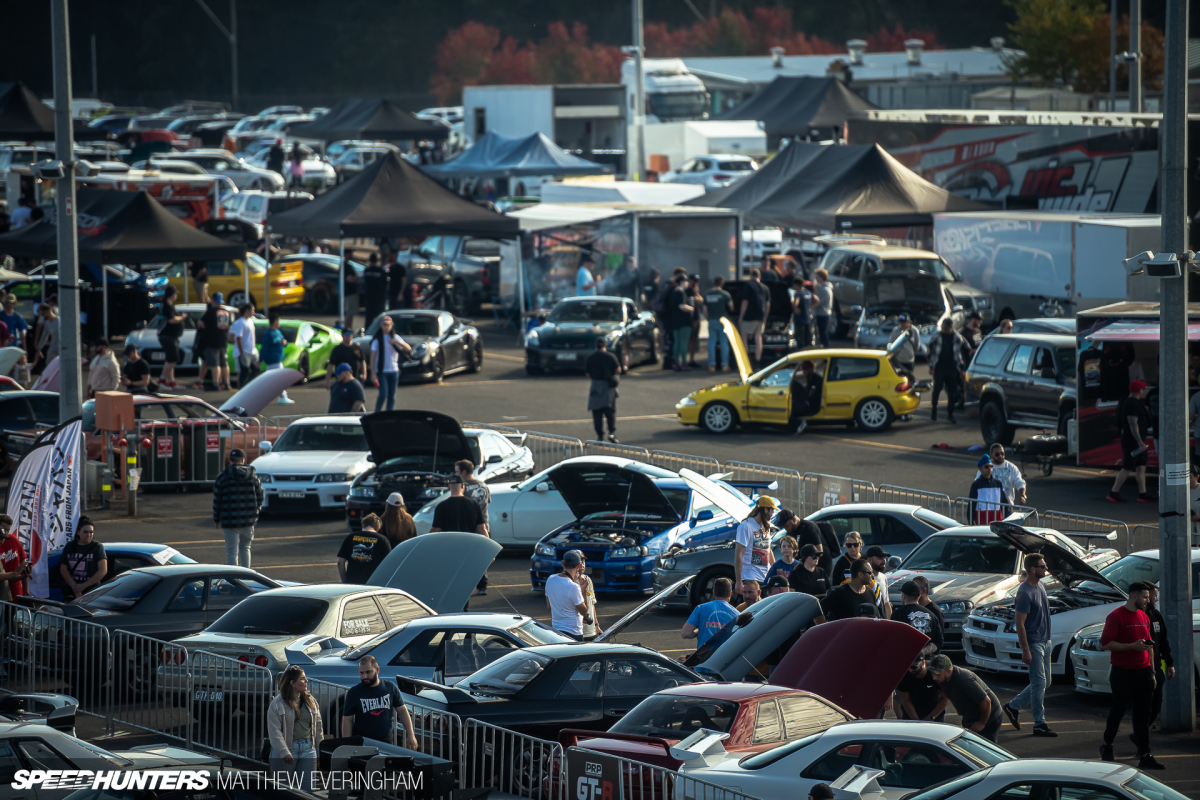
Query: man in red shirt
x=14 y=569
x=1129 y=638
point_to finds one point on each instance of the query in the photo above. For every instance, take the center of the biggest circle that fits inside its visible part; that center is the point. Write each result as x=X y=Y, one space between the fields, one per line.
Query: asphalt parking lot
x=303 y=549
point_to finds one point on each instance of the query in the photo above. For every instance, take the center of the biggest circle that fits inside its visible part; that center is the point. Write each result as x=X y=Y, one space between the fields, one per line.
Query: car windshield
x=300 y=438
x=930 y=266
x=976 y=554
x=934 y=519
x=981 y=750
x=507 y=675
x=295 y=616
x=677 y=105
x=1123 y=572
x=674 y=717
x=1146 y=788
x=534 y=633
x=587 y=311
x=122 y=594
x=407 y=325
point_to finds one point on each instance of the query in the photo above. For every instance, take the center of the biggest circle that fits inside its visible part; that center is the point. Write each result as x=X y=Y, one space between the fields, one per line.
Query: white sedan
x=1053 y=779
x=912 y=756
x=311 y=466
x=1092 y=662
x=221 y=162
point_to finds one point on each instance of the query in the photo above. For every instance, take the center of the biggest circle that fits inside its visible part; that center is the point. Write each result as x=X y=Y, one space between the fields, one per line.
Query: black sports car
x=442 y=343
x=321 y=279
x=540 y=690
x=568 y=335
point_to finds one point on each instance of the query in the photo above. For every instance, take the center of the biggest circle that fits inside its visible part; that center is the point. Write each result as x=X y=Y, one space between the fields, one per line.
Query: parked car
x=858 y=387
x=321 y=271
x=568 y=335
x=898 y=528
x=311 y=466
x=1024 y=380
x=353 y=160
x=256 y=207
x=1084 y=596
x=973 y=565
x=473 y=264
x=414 y=454
x=283 y=282
x=1059 y=778
x=712 y=172
x=917 y=295
x=442 y=343
x=779 y=335
x=1092 y=664
x=850 y=261
x=122 y=557
x=54 y=710
x=146 y=337
x=307 y=345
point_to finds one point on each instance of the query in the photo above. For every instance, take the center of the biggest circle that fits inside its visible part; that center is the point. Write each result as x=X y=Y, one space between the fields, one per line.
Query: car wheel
x=874 y=415
x=993 y=424
x=237 y=299
x=475 y=358
x=702 y=587
x=718 y=417
x=303 y=367
x=320 y=298
x=439 y=367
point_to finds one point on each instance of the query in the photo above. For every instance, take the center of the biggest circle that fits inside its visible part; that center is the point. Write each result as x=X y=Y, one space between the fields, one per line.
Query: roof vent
x=777 y=57
x=997 y=43
x=913 y=49
x=856 y=48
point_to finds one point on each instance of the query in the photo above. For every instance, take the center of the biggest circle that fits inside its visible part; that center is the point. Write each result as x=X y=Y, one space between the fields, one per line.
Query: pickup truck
x=474 y=264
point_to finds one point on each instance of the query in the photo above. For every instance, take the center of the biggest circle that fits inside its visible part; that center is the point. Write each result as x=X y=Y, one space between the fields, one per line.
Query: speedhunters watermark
x=67 y=780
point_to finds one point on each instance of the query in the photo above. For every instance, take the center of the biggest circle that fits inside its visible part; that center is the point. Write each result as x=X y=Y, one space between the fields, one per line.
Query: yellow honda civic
x=842 y=386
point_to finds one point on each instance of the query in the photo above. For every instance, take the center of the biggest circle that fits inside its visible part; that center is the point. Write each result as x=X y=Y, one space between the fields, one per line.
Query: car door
x=865 y=524
x=455 y=342
x=184 y=613
x=848 y=380
x=535 y=513
x=1044 y=387
x=911 y=766
x=769 y=400
x=684 y=173
x=1018 y=382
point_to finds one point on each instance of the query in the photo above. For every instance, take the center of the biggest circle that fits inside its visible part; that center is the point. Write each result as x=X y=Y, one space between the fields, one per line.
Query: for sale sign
x=212 y=442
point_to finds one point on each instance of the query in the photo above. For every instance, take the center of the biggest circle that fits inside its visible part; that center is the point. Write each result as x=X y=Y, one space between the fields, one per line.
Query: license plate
x=158 y=356
x=292 y=495
x=567 y=356
x=209 y=695
x=597 y=575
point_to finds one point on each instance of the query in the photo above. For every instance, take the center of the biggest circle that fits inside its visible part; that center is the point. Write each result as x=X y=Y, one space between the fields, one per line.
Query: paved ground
x=304 y=549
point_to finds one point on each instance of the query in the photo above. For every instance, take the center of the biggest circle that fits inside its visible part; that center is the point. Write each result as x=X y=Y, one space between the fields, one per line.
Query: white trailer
x=1023 y=256
x=679 y=141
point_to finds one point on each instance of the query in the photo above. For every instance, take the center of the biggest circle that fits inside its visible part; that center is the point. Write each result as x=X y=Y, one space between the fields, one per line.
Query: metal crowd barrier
x=549 y=448
x=821 y=490
x=963 y=510
x=511 y=762
x=136 y=701
x=790 y=483
x=438 y=732
x=228 y=700
x=284 y=420
x=329 y=698
x=187 y=451
x=1145 y=537
x=594 y=448
x=677 y=461
x=639 y=781
x=1087 y=528
x=934 y=501
x=55 y=653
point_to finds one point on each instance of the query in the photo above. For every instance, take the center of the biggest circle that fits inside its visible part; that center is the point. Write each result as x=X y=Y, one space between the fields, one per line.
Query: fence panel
x=550 y=448
x=886 y=493
x=677 y=461
x=640 y=781
x=137 y=700
x=963 y=510
x=190 y=451
x=1088 y=528
x=226 y=699
x=16 y=653
x=438 y=732
x=789 y=492
x=64 y=655
x=595 y=448
x=510 y=762
x=1144 y=537
x=821 y=490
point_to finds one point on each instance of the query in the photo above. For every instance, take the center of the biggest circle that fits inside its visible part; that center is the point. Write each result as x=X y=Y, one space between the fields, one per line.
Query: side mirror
x=495 y=459
x=371 y=457
x=706 y=514
x=264 y=447
x=892 y=563
x=360 y=332
x=542 y=488
x=956 y=310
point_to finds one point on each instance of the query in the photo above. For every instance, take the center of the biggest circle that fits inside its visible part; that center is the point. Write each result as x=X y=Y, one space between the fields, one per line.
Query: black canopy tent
x=795 y=106
x=362 y=118
x=836 y=187
x=496 y=156
x=390 y=198
x=117 y=227
x=24 y=118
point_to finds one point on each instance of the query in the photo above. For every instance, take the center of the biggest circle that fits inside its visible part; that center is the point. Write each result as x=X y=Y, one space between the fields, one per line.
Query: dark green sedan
x=568 y=335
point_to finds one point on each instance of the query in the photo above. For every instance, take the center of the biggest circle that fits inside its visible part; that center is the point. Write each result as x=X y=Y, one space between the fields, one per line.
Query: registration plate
x=567 y=356
x=596 y=574
x=158 y=356
x=291 y=495
x=209 y=695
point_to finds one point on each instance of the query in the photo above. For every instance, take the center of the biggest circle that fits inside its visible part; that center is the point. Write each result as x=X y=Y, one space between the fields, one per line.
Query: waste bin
x=160 y=463
x=206 y=452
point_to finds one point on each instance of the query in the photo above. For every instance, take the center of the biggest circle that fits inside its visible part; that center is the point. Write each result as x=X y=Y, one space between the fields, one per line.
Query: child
x=23 y=373
x=788 y=547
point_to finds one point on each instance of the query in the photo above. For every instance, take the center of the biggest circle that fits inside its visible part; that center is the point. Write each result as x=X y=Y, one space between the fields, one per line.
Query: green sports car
x=308 y=345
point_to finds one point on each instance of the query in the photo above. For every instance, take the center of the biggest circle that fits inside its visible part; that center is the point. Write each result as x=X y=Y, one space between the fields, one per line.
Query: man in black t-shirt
x=1133 y=421
x=973 y=699
x=919 y=694
x=371 y=707
x=809 y=578
x=346 y=352
x=135 y=374
x=213 y=338
x=374 y=289
x=602 y=368
x=913 y=614
x=362 y=552
x=168 y=337
x=458 y=512
x=845 y=601
x=83 y=563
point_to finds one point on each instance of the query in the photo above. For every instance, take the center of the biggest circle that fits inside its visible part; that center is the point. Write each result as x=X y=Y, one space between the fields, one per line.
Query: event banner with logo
x=45 y=497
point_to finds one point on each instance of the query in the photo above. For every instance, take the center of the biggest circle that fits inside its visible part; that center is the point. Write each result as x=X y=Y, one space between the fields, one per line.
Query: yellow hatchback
x=283 y=285
x=843 y=386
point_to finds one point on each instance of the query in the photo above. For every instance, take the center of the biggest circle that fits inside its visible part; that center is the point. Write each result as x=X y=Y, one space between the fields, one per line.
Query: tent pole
x=246 y=276
x=267 y=274
x=104 y=289
x=342 y=280
x=520 y=289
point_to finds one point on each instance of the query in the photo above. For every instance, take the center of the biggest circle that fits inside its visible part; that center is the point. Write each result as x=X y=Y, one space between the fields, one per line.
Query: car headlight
x=956 y=606
x=531 y=339
x=687 y=401
x=544 y=550
x=432 y=492
x=334 y=477
x=868 y=330
x=629 y=552
x=1090 y=643
x=667 y=563
x=362 y=491
x=1010 y=627
x=264 y=478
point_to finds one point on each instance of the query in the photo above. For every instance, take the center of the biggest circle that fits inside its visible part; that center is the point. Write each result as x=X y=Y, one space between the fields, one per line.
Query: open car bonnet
x=855 y=663
x=1064 y=565
x=392 y=434
x=261 y=391
x=421 y=567
x=740 y=356
x=773 y=621
x=907 y=292
x=591 y=488
x=624 y=622
x=732 y=503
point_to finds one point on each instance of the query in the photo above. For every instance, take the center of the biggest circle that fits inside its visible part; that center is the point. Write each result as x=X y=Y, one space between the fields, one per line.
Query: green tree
x=1054 y=35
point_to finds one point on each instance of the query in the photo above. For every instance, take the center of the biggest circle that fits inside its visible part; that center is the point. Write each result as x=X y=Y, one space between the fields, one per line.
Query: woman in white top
x=294 y=727
x=386 y=349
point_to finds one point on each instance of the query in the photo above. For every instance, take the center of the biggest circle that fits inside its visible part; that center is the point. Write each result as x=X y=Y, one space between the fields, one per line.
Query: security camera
x=49 y=170
x=1133 y=264
x=86 y=169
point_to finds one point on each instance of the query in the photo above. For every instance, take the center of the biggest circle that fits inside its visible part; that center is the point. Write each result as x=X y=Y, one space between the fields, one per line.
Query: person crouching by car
x=135 y=375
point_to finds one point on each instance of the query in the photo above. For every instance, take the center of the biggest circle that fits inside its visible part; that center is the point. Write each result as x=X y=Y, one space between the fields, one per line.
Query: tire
x=994 y=425
x=475 y=359
x=236 y=299
x=321 y=299
x=718 y=417
x=702 y=586
x=874 y=415
x=439 y=367
x=304 y=368
x=1043 y=445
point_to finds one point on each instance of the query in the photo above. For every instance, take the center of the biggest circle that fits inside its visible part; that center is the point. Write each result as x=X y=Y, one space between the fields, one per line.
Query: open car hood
x=854 y=663
x=732 y=503
x=1067 y=567
x=392 y=434
x=420 y=567
x=740 y=356
x=261 y=391
x=902 y=291
x=773 y=620
x=632 y=617
x=590 y=488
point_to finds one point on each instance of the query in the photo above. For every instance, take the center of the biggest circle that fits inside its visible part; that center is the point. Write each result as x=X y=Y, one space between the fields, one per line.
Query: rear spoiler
x=569 y=737
x=1087 y=536
x=702 y=748
x=516 y=438
x=723 y=477
x=858 y=783
x=296 y=650
x=415 y=685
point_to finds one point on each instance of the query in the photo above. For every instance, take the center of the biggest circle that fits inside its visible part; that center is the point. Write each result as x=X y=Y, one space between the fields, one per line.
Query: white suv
x=221 y=162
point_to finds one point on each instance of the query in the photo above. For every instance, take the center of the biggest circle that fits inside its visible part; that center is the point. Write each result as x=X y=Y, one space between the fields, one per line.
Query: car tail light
x=244 y=660
x=260 y=661
x=901 y=388
x=722 y=177
x=281 y=282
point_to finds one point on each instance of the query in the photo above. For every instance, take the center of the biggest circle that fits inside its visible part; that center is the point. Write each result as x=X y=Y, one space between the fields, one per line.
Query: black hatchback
x=1022 y=380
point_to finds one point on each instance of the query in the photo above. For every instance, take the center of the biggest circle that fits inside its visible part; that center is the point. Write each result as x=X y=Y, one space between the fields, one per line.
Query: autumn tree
x=1055 y=36
x=1093 y=72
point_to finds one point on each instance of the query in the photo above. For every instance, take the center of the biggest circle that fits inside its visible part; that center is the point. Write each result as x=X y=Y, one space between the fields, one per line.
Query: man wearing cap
x=972 y=337
x=1133 y=421
x=776 y=584
x=237 y=500
x=135 y=375
x=809 y=578
x=904 y=356
x=346 y=352
x=1007 y=473
x=974 y=701
x=707 y=619
x=1032 y=607
x=877 y=557
x=752 y=554
x=104 y=373
x=565 y=598
x=585 y=281
x=14 y=321
x=988 y=493
x=214 y=344
x=919 y=694
x=913 y=614
x=347 y=394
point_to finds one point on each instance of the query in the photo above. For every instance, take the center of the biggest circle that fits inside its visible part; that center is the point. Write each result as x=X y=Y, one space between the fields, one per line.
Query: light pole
x=229 y=33
x=639 y=93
